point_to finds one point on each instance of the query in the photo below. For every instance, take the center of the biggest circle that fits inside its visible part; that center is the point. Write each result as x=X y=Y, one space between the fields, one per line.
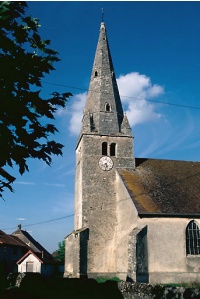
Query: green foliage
x=60 y=252
x=24 y=59
x=103 y=279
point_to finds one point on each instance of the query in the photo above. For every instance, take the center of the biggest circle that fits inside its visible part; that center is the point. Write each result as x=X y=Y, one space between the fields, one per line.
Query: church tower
x=104 y=145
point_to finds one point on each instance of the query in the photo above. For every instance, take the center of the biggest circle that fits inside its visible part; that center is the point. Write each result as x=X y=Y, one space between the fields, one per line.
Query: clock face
x=105 y=163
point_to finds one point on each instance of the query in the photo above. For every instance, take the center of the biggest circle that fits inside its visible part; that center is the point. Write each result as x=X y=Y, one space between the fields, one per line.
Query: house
x=135 y=219
x=35 y=262
x=33 y=245
x=11 y=249
x=36 y=259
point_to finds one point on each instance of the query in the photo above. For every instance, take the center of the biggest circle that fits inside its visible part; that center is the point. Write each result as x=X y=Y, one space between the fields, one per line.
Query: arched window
x=192 y=238
x=96 y=74
x=107 y=107
x=104 y=149
x=113 y=149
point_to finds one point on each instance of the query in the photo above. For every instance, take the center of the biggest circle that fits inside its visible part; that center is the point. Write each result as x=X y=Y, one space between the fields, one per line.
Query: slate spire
x=103 y=113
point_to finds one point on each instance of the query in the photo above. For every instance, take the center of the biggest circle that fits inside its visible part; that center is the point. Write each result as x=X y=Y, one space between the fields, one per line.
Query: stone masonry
x=104 y=126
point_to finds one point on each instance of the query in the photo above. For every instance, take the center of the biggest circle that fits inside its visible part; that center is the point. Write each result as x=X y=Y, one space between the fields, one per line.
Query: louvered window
x=192 y=238
x=113 y=149
x=104 y=149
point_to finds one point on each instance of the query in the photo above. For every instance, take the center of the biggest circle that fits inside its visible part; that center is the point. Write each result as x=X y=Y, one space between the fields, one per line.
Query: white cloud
x=54 y=185
x=141 y=111
x=61 y=111
x=135 y=89
x=77 y=113
x=47 y=184
x=24 y=183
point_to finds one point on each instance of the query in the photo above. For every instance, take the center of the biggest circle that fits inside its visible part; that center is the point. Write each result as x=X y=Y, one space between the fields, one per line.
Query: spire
x=103 y=113
x=125 y=127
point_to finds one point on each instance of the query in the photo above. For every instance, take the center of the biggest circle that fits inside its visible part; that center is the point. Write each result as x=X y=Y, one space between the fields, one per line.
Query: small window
x=113 y=149
x=92 y=126
x=107 y=107
x=192 y=238
x=96 y=74
x=104 y=149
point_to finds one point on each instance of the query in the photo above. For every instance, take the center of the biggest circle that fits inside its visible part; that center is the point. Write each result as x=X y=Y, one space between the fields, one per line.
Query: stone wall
x=146 y=291
x=76 y=248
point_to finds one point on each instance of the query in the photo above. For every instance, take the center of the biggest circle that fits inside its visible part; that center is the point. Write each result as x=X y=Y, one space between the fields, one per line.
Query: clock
x=106 y=163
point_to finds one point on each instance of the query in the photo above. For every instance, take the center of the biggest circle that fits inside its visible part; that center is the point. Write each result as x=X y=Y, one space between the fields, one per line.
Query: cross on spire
x=102 y=15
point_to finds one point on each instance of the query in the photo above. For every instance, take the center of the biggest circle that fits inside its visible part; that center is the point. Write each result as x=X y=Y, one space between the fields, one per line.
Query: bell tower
x=105 y=144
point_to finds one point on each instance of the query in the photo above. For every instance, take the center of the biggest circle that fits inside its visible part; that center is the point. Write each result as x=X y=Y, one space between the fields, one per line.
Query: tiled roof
x=10 y=240
x=20 y=242
x=31 y=242
x=164 y=186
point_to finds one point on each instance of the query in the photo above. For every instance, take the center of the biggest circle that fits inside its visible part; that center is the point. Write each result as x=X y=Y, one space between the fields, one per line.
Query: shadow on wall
x=142 y=274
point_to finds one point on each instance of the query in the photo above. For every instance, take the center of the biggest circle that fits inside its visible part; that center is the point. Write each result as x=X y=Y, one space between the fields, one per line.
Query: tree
x=24 y=116
x=60 y=252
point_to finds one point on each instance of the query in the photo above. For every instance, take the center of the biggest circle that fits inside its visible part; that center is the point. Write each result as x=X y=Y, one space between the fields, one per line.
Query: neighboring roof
x=31 y=242
x=164 y=186
x=10 y=240
x=20 y=242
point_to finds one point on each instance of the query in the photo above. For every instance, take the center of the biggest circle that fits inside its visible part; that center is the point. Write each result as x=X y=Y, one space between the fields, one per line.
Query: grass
x=104 y=279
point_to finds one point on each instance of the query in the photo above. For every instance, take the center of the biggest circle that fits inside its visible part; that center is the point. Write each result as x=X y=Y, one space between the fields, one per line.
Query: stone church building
x=135 y=218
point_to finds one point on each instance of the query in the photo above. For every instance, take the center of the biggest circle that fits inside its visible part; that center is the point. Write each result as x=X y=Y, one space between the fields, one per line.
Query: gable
x=29 y=256
x=164 y=186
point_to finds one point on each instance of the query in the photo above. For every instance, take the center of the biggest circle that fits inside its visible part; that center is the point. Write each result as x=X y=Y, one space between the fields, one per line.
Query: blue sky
x=155 y=47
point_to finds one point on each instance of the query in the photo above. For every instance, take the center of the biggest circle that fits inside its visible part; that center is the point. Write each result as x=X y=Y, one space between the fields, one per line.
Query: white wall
x=167 y=257
x=126 y=222
x=36 y=264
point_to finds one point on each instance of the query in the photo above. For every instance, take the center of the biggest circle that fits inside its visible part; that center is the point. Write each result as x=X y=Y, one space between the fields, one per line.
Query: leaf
x=24 y=115
x=67 y=94
x=6 y=175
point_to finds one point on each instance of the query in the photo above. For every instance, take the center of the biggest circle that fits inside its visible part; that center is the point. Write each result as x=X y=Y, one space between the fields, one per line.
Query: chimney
x=19 y=226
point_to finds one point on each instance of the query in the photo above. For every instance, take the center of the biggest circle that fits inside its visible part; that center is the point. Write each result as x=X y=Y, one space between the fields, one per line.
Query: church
x=135 y=218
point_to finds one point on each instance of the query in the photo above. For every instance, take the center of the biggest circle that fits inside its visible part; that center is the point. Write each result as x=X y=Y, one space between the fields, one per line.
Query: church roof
x=164 y=187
